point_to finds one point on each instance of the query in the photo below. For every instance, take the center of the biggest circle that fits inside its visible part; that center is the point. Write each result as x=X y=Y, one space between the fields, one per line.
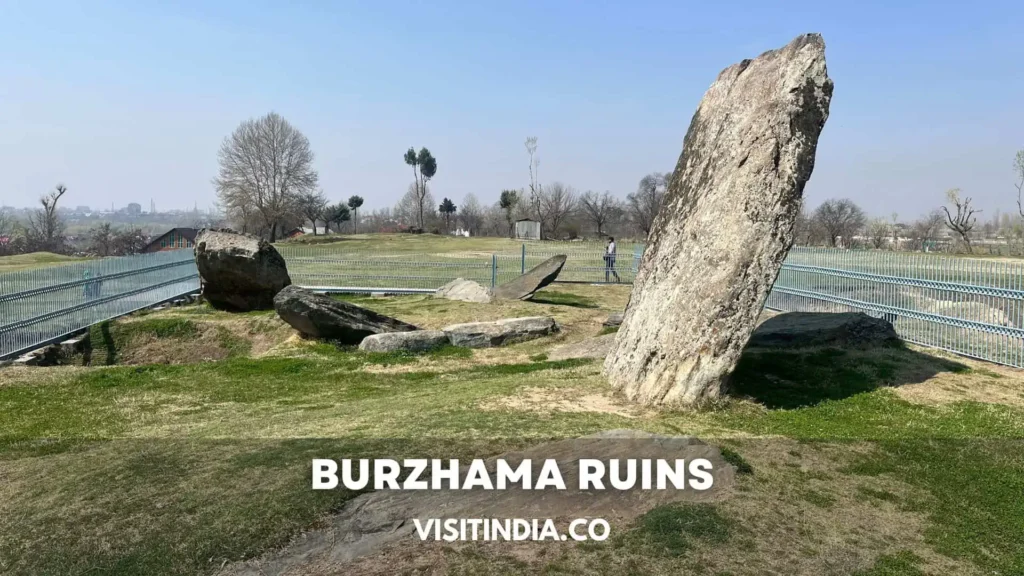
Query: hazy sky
x=130 y=101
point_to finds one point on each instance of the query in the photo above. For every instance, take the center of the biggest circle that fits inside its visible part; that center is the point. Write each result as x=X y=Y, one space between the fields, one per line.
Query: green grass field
x=163 y=456
x=34 y=260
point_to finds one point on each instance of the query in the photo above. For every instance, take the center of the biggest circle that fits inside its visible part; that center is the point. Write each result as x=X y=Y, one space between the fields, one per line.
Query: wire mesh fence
x=973 y=307
x=968 y=306
x=41 y=305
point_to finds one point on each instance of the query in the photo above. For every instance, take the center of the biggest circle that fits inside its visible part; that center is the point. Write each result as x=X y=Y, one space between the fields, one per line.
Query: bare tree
x=558 y=202
x=101 y=239
x=312 y=205
x=129 y=241
x=6 y=230
x=412 y=209
x=839 y=219
x=878 y=231
x=646 y=201
x=265 y=165
x=895 y=232
x=803 y=229
x=599 y=209
x=508 y=202
x=45 y=226
x=927 y=227
x=1018 y=169
x=964 y=220
x=471 y=215
x=535 y=191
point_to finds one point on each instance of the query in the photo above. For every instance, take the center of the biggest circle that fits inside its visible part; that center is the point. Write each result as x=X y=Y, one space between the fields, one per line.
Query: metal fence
x=968 y=306
x=45 y=304
x=325 y=267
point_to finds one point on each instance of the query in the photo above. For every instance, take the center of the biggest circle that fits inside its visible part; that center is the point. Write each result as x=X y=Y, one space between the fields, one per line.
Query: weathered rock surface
x=465 y=291
x=415 y=341
x=539 y=276
x=320 y=316
x=725 y=226
x=846 y=329
x=596 y=347
x=238 y=272
x=614 y=319
x=373 y=520
x=500 y=332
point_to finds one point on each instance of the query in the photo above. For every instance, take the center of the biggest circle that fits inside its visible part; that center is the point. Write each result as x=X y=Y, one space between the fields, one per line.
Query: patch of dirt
x=947 y=388
x=382 y=520
x=561 y=400
x=798 y=514
x=984 y=382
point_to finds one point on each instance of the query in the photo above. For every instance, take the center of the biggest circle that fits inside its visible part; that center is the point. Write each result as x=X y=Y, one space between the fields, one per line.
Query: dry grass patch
x=536 y=399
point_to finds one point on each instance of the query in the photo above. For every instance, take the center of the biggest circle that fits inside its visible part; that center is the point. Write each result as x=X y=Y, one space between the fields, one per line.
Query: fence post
x=522 y=261
x=494 y=270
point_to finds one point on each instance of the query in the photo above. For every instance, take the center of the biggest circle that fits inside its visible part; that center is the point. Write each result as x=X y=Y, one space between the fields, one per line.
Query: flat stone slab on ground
x=725 y=226
x=614 y=319
x=465 y=291
x=320 y=316
x=534 y=279
x=596 y=347
x=415 y=341
x=500 y=332
x=846 y=329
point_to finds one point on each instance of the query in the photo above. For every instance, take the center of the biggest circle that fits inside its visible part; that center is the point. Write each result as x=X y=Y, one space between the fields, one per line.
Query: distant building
x=173 y=239
x=527 y=229
x=295 y=233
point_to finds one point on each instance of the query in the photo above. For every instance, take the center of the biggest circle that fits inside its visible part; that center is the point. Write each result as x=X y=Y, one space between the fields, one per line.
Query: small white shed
x=527 y=229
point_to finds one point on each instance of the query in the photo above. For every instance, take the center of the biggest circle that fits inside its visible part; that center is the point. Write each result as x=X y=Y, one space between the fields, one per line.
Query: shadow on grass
x=795 y=377
x=563 y=299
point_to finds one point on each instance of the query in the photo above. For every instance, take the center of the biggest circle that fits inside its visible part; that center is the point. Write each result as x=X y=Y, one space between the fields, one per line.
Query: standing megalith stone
x=239 y=272
x=724 y=228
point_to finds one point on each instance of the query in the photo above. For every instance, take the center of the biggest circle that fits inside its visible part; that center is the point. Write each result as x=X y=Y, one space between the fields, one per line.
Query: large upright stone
x=239 y=272
x=539 y=276
x=725 y=226
x=320 y=316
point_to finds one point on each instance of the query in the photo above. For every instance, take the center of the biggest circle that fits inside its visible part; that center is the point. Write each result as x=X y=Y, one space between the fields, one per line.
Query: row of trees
x=45 y=230
x=840 y=223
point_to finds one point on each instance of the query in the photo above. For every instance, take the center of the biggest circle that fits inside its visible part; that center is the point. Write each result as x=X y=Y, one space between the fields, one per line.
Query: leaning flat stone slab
x=415 y=341
x=539 y=276
x=724 y=228
x=320 y=316
x=500 y=332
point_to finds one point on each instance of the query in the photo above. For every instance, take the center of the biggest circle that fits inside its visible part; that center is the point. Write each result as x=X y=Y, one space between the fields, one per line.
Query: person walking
x=609 y=261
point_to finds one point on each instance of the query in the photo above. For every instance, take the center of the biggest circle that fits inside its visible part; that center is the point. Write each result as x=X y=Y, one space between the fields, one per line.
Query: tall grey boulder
x=724 y=228
x=239 y=272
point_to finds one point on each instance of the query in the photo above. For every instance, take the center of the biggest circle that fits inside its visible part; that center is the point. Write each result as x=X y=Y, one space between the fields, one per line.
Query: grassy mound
x=179 y=339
